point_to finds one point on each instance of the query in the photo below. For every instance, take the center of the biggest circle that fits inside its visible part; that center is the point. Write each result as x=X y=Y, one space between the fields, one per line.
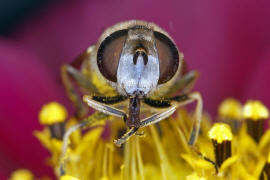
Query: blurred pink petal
x=259 y=83
x=25 y=87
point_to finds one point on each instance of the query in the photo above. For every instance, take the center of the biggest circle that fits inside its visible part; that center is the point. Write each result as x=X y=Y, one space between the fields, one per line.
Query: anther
x=22 y=174
x=54 y=115
x=255 y=114
x=230 y=112
x=221 y=136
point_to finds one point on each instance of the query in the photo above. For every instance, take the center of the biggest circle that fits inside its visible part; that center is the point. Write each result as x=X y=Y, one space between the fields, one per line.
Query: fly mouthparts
x=137 y=94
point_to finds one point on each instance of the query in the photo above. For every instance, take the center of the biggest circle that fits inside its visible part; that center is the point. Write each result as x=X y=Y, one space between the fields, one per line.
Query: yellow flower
x=162 y=152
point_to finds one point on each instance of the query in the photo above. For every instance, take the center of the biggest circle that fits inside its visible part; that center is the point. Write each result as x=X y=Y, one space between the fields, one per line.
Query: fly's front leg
x=198 y=116
x=145 y=122
x=124 y=138
x=95 y=102
x=100 y=104
x=178 y=101
x=88 y=121
x=157 y=117
x=104 y=113
x=186 y=99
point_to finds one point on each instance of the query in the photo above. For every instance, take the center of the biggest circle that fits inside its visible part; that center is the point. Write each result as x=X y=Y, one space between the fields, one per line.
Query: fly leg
x=70 y=74
x=145 y=122
x=96 y=104
x=100 y=104
x=92 y=102
x=132 y=131
x=93 y=119
x=88 y=121
x=158 y=117
x=195 y=96
x=178 y=101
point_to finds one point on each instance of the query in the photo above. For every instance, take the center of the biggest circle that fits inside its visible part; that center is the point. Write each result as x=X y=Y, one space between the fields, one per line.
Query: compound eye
x=109 y=53
x=168 y=57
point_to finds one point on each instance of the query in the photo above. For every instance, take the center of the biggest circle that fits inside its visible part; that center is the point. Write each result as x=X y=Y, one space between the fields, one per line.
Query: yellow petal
x=264 y=144
x=228 y=163
x=44 y=137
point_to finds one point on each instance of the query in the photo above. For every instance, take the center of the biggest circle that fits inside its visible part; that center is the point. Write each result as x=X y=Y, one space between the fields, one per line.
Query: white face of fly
x=138 y=68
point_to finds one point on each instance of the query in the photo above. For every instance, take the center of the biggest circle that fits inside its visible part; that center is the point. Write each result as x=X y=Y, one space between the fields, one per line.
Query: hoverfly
x=135 y=62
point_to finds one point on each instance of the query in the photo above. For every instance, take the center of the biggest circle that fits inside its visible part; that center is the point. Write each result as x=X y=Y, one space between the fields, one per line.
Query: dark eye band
x=109 y=53
x=168 y=57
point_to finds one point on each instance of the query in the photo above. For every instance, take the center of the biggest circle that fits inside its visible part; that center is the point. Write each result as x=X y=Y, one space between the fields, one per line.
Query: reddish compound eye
x=168 y=57
x=109 y=53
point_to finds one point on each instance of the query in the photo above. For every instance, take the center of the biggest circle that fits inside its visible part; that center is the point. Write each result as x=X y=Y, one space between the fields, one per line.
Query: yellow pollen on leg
x=220 y=132
x=255 y=110
x=52 y=113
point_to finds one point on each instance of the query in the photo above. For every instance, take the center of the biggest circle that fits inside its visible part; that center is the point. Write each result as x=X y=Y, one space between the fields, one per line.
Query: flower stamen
x=139 y=158
x=221 y=136
x=230 y=112
x=53 y=115
x=164 y=164
x=255 y=114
